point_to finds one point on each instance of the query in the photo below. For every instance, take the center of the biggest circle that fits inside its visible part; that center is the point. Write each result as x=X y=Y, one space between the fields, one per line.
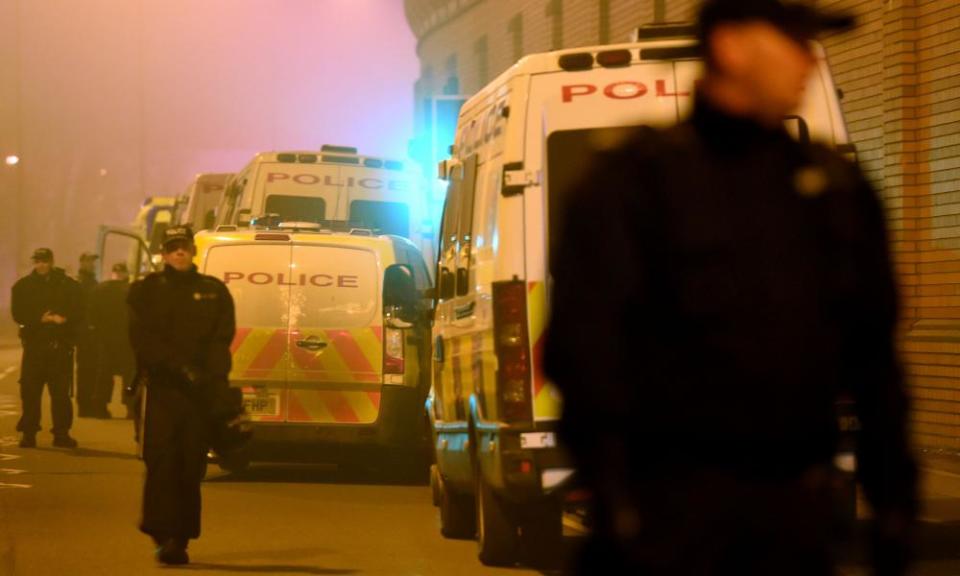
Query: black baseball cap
x=88 y=256
x=177 y=234
x=42 y=255
x=795 y=18
x=120 y=267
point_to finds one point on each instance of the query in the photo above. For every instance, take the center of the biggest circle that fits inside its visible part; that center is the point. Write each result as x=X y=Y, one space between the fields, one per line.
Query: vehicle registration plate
x=262 y=405
x=538 y=440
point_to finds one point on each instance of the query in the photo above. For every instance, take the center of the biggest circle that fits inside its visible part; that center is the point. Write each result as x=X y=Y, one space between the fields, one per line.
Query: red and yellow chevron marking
x=270 y=355
x=350 y=356
x=332 y=406
x=547 y=403
x=258 y=354
x=292 y=373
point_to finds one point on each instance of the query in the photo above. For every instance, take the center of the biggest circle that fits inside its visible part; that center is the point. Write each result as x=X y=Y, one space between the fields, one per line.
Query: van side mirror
x=798 y=128
x=399 y=296
x=243 y=218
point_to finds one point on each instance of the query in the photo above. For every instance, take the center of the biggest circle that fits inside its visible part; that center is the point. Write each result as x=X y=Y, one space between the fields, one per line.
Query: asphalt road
x=75 y=512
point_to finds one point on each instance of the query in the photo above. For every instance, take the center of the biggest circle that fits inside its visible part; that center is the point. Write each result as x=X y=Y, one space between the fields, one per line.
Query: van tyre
x=498 y=540
x=457 y=513
x=541 y=534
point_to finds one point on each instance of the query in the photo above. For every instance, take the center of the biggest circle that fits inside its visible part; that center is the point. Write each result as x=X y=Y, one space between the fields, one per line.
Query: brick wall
x=900 y=75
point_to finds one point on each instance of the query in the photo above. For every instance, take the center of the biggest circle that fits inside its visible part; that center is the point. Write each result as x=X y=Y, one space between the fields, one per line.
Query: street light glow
x=12 y=160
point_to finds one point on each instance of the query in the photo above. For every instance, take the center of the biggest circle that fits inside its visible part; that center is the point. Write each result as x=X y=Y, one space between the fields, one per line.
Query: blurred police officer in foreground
x=47 y=306
x=86 y=343
x=110 y=320
x=717 y=286
x=181 y=327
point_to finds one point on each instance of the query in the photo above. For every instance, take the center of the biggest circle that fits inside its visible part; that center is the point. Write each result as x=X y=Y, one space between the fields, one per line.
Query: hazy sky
x=118 y=99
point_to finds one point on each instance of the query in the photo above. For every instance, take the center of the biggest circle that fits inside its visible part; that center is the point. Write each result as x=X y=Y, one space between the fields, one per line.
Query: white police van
x=521 y=142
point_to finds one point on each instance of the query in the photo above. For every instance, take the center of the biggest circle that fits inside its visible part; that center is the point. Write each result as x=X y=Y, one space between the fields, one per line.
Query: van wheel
x=457 y=513
x=541 y=534
x=498 y=541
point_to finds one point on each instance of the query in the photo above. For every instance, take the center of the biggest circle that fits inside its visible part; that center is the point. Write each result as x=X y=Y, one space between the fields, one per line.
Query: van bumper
x=519 y=473
x=400 y=424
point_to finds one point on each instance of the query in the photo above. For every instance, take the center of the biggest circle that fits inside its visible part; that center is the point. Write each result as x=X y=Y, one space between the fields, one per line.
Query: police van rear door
x=258 y=276
x=580 y=112
x=336 y=332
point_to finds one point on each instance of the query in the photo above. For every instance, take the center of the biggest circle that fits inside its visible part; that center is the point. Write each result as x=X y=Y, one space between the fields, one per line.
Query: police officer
x=86 y=344
x=181 y=327
x=47 y=306
x=717 y=286
x=109 y=321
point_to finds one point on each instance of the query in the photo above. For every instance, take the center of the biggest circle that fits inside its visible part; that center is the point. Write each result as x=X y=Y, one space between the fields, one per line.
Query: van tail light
x=393 y=351
x=512 y=346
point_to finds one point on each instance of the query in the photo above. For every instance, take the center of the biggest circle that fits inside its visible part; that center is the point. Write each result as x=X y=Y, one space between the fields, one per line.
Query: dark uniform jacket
x=181 y=328
x=109 y=318
x=33 y=295
x=717 y=286
x=88 y=283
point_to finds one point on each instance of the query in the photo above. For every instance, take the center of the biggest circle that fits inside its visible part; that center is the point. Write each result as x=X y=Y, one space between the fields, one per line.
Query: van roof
x=340 y=155
x=376 y=242
x=547 y=62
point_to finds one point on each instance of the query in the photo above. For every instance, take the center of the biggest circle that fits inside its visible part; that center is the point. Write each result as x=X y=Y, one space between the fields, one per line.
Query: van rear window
x=385 y=217
x=296 y=208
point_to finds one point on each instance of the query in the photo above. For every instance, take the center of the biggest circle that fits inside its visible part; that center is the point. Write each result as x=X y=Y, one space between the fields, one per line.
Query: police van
x=521 y=142
x=336 y=183
x=197 y=207
x=331 y=344
x=137 y=245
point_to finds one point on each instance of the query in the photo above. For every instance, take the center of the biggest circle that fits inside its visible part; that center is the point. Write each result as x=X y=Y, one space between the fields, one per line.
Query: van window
x=449 y=230
x=231 y=198
x=296 y=208
x=569 y=155
x=468 y=189
x=387 y=217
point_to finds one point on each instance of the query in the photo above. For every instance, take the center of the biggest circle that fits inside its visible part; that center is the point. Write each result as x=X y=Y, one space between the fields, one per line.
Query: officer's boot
x=173 y=552
x=28 y=440
x=64 y=440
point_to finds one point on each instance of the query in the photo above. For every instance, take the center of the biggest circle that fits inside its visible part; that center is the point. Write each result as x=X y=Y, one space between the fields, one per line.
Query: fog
x=106 y=102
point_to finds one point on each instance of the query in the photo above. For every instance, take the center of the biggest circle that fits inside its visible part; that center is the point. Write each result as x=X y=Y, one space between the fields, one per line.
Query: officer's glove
x=193 y=376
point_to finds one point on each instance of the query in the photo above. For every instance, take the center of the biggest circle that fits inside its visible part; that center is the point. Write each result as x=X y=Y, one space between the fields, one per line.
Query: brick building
x=900 y=77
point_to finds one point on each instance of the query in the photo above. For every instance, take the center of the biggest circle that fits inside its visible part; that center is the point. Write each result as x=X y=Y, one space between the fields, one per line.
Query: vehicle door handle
x=311 y=344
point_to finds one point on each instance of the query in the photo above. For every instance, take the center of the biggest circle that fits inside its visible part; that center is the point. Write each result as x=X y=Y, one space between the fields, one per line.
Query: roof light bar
x=614 y=58
x=339 y=159
x=577 y=61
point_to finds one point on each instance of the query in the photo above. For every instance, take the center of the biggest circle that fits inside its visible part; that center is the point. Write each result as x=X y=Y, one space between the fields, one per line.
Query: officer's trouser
x=107 y=375
x=50 y=364
x=87 y=354
x=716 y=524
x=175 y=453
